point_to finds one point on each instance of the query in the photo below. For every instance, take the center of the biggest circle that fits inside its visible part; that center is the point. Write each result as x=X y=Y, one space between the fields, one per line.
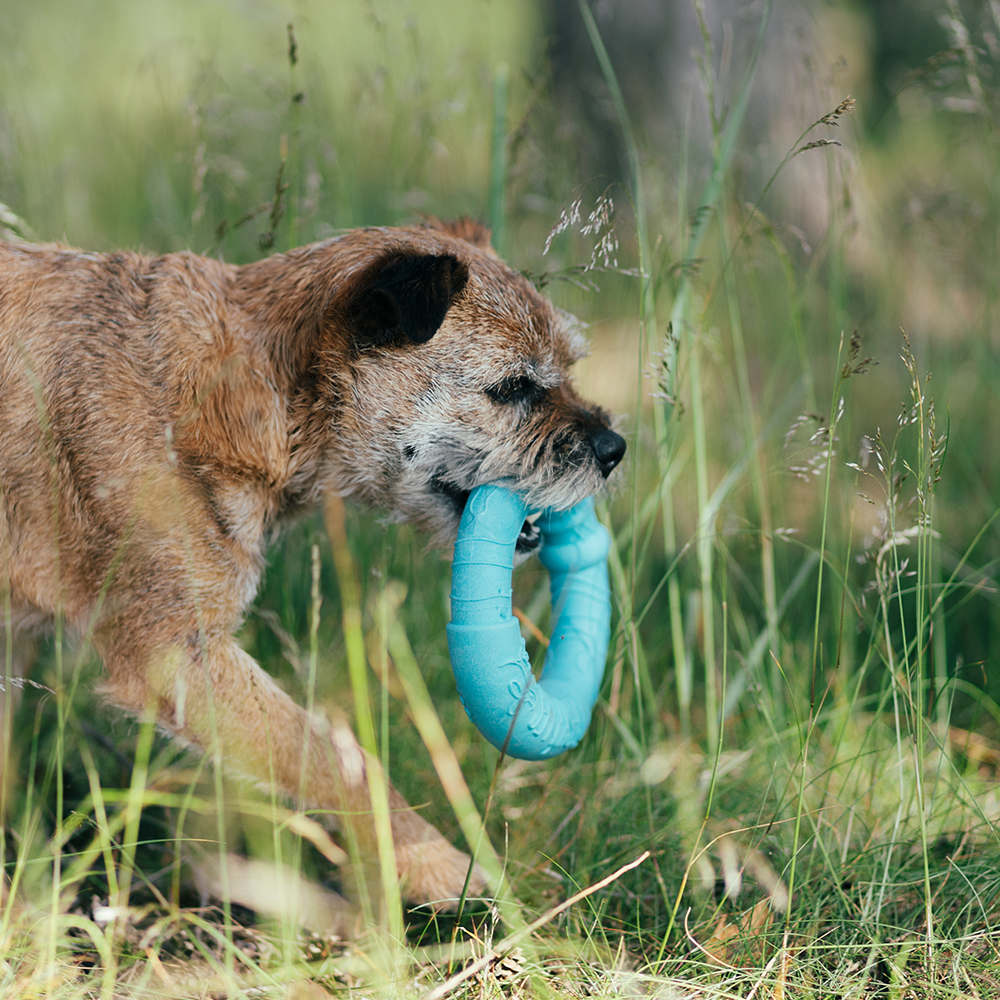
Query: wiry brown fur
x=160 y=417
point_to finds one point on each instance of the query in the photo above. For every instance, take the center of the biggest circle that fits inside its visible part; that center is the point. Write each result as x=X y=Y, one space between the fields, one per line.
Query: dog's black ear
x=405 y=294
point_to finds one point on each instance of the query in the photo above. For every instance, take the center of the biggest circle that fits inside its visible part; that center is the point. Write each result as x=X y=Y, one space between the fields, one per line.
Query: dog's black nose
x=609 y=448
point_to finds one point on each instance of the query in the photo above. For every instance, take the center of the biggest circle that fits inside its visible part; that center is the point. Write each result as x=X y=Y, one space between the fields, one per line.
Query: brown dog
x=160 y=417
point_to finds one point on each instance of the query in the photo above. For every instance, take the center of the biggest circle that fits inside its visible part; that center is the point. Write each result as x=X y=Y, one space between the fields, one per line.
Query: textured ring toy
x=529 y=719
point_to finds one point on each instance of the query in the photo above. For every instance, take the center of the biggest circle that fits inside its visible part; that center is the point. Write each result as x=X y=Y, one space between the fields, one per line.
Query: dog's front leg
x=218 y=697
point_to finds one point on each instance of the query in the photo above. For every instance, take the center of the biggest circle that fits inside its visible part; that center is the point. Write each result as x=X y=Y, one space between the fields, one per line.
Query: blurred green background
x=163 y=126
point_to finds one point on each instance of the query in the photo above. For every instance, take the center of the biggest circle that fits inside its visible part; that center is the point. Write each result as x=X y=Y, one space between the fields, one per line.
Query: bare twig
x=508 y=943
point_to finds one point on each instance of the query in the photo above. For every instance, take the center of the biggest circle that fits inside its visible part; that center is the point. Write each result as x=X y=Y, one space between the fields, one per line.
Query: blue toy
x=532 y=719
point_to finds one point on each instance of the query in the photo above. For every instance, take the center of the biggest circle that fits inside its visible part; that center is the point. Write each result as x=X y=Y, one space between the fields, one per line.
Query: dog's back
x=106 y=363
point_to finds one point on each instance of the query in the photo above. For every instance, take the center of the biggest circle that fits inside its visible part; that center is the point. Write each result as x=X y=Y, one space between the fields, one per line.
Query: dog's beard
x=433 y=489
x=528 y=537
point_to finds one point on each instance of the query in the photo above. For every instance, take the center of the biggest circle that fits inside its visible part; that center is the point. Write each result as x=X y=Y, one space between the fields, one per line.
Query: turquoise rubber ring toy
x=529 y=719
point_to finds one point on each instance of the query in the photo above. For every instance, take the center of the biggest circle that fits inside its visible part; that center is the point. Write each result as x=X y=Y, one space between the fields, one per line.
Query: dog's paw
x=433 y=872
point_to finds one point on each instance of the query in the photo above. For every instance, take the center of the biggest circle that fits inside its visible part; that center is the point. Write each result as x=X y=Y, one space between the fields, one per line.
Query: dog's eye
x=516 y=389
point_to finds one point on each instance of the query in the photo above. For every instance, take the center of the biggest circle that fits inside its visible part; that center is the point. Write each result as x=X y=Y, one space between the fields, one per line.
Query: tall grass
x=799 y=721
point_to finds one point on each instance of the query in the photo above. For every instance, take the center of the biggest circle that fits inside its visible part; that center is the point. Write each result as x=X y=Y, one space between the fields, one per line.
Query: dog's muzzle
x=528 y=537
x=608 y=448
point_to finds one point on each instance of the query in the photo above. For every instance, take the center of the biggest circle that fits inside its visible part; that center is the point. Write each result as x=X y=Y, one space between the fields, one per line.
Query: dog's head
x=458 y=374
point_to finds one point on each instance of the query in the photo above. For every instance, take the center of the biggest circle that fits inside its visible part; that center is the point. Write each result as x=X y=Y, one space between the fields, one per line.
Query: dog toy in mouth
x=532 y=719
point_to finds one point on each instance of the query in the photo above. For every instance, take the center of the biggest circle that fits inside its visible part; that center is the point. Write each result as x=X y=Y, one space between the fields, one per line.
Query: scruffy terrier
x=161 y=417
